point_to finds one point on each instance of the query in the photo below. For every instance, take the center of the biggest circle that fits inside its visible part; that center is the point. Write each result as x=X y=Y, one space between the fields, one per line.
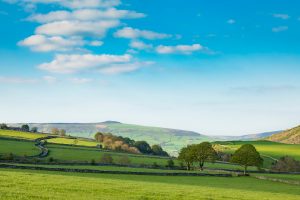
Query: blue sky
x=216 y=67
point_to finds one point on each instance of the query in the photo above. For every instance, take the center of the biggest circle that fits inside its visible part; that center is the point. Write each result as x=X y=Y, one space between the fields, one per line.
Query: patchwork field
x=29 y=184
x=269 y=150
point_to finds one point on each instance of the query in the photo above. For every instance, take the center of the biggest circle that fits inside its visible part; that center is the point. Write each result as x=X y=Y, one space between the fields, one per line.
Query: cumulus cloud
x=85 y=15
x=72 y=4
x=124 y=68
x=136 y=44
x=180 y=49
x=280 y=29
x=131 y=33
x=41 y=43
x=64 y=63
x=77 y=28
x=281 y=16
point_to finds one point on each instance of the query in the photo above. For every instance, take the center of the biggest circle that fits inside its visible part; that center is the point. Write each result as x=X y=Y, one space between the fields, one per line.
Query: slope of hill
x=249 y=136
x=291 y=136
x=170 y=139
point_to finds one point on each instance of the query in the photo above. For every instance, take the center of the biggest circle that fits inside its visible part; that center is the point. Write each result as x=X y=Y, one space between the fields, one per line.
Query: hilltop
x=290 y=136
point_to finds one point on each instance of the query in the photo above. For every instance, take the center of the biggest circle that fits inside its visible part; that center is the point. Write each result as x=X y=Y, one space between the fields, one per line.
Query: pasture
x=30 y=184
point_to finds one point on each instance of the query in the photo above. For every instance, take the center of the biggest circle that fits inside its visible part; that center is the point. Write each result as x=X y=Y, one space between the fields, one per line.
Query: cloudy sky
x=217 y=67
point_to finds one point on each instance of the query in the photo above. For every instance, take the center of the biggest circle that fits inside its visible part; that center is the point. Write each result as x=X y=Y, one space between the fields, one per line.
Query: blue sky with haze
x=216 y=67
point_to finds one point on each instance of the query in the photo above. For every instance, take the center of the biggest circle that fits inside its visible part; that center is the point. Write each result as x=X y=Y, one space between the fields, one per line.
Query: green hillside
x=291 y=136
x=171 y=140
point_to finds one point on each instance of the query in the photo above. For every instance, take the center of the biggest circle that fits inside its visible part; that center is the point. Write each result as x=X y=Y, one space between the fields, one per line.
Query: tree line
x=126 y=144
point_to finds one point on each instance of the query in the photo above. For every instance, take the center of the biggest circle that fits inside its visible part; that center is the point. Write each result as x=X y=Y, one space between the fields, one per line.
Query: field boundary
x=277 y=180
x=111 y=172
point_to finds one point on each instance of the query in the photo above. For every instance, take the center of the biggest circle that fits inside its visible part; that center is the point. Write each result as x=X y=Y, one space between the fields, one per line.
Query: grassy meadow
x=30 y=184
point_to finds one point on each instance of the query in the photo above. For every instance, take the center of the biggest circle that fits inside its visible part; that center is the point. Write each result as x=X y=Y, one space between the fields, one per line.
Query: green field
x=72 y=141
x=19 y=148
x=21 y=135
x=29 y=184
x=269 y=150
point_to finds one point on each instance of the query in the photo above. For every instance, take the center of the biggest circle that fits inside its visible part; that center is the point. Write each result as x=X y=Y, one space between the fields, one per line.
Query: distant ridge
x=290 y=136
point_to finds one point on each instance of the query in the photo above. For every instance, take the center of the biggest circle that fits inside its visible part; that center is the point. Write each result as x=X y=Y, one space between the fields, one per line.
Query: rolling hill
x=170 y=139
x=290 y=136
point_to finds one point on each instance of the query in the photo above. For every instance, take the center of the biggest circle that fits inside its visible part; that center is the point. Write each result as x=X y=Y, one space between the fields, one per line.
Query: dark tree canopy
x=143 y=147
x=158 y=150
x=247 y=155
x=3 y=126
x=25 y=128
x=34 y=129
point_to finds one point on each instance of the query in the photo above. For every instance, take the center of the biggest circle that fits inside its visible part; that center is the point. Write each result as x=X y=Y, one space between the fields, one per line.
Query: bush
x=106 y=159
x=286 y=164
x=25 y=128
x=124 y=160
x=170 y=164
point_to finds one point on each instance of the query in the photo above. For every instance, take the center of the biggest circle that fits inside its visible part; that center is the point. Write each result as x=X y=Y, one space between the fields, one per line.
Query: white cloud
x=79 y=62
x=181 y=49
x=85 y=15
x=77 y=28
x=80 y=80
x=280 y=29
x=124 y=68
x=96 y=43
x=281 y=16
x=43 y=43
x=231 y=21
x=136 y=44
x=72 y=4
x=131 y=33
x=17 y=80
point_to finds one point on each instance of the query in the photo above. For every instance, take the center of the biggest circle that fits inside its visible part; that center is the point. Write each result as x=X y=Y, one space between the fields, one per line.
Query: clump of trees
x=3 y=126
x=286 y=164
x=200 y=153
x=246 y=156
x=24 y=128
x=119 y=143
x=56 y=131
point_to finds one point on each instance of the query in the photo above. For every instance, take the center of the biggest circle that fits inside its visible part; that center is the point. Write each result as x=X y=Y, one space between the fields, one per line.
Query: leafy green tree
x=203 y=152
x=187 y=156
x=158 y=150
x=3 y=126
x=247 y=155
x=170 y=164
x=25 y=128
x=143 y=147
x=34 y=129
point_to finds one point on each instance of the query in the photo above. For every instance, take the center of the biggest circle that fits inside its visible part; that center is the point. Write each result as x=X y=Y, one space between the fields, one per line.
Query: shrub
x=50 y=160
x=170 y=164
x=25 y=128
x=106 y=159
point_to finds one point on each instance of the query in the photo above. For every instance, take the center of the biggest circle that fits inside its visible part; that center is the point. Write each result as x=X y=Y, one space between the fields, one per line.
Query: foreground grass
x=18 y=184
